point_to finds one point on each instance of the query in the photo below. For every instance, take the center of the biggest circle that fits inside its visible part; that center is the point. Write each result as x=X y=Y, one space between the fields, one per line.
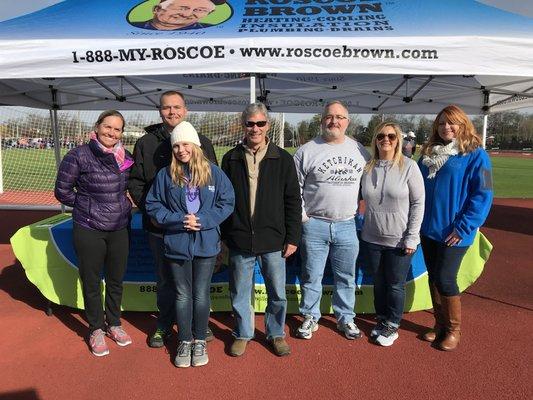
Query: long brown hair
x=467 y=138
x=398 y=156
x=199 y=169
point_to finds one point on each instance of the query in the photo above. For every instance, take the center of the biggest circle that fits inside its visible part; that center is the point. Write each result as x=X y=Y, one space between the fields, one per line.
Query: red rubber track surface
x=47 y=357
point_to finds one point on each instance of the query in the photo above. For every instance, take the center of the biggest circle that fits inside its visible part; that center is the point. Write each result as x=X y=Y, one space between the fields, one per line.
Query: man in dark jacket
x=265 y=226
x=151 y=153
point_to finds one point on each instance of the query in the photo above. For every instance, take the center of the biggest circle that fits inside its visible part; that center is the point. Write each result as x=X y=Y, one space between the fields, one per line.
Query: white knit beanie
x=184 y=132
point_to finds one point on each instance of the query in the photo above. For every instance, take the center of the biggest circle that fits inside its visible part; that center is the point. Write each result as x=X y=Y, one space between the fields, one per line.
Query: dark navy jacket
x=166 y=204
x=90 y=182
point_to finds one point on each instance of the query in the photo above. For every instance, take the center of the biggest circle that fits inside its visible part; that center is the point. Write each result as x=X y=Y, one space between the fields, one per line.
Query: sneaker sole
x=182 y=365
x=387 y=344
x=199 y=364
x=359 y=336
x=105 y=353
x=122 y=344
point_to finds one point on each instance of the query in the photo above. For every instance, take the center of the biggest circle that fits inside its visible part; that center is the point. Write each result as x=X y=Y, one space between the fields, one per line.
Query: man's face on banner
x=176 y=14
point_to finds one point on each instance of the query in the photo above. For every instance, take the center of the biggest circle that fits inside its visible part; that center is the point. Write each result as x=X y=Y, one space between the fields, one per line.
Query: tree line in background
x=505 y=130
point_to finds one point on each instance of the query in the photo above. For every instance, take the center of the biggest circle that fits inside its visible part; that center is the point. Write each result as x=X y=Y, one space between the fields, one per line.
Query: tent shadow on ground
x=15 y=284
x=504 y=218
x=223 y=329
x=28 y=394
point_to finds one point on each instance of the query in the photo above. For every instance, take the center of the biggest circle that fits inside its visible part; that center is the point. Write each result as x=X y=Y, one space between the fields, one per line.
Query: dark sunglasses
x=251 y=124
x=381 y=136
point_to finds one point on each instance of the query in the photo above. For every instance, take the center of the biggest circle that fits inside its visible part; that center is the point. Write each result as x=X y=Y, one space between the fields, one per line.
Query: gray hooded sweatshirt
x=394 y=201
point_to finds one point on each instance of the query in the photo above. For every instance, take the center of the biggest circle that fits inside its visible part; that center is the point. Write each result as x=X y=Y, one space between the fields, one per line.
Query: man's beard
x=329 y=134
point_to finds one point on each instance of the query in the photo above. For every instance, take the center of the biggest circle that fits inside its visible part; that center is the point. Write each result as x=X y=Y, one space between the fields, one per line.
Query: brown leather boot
x=437 y=331
x=451 y=308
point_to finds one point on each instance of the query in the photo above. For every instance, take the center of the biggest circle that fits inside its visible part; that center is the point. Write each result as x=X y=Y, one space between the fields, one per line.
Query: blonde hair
x=467 y=138
x=398 y=156
x=198 y=166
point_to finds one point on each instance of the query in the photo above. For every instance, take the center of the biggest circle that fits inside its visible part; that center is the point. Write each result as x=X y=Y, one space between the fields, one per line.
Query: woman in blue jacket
x=189 y=200
x=458 y=180
x=92 y=179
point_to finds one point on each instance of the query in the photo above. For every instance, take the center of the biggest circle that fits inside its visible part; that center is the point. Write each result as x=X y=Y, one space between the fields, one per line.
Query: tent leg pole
x=49 y=310
x=252 y=89
x=485 y=124
x=281 y=140
x=57 y=144
x=1 y=168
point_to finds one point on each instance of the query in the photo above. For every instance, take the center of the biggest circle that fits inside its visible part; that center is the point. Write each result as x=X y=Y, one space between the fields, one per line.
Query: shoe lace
x=97 y=338
x=388 y=330
x=308 y=322
x=118 y=331
x=184 y=349
x=199 y=348
x=352 y=327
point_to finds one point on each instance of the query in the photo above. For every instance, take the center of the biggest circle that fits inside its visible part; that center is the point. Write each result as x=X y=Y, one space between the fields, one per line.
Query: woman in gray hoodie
x=393 y=190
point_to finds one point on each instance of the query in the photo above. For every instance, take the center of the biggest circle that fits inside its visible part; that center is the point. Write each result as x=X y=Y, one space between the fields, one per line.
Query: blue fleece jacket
x=459 y=197
x=166 y=204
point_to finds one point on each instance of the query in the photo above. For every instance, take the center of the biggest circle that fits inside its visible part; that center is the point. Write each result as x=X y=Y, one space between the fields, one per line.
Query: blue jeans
x=241 y=285
x=442 y=263
x=321 y=238
x=166 y=292
x=389 y=267
x=192 y=280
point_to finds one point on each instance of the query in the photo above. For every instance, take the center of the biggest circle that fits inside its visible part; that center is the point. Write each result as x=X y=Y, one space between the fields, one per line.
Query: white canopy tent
x=295 y=55
x=394 y=56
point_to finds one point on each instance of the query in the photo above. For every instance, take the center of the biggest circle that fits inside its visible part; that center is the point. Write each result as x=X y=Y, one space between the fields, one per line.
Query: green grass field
x=34 y=169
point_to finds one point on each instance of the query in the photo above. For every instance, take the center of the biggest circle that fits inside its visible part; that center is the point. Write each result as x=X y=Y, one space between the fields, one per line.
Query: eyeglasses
x=338 y=117
x=391 y=136
x=251 y=124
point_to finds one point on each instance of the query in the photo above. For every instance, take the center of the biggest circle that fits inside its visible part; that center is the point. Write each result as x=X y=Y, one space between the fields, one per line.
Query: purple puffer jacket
x=90 y=182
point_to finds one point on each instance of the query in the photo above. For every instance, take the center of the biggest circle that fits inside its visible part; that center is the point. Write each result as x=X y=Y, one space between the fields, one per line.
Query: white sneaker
x=305 y=331
x=199 y=353
x=387 y=336
x=351 y=331
x=183 y=356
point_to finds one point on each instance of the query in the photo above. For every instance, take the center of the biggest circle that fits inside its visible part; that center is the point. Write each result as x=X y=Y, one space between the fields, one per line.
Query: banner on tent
x=336 y=35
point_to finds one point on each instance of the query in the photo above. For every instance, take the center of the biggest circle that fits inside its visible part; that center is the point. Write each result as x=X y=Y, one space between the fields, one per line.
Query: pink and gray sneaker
x=97 y=343
x=119 y=335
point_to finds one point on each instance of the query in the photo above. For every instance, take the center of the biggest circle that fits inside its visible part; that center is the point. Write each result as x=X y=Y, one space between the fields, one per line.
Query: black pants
x=97 y=251
x=442 y=263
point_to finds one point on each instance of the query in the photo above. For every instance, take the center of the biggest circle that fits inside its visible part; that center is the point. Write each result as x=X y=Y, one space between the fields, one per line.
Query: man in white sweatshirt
x=329 y=171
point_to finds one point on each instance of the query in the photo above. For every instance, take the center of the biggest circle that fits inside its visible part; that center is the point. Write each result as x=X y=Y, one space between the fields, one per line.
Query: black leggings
x=442 y=263
x=97 y=251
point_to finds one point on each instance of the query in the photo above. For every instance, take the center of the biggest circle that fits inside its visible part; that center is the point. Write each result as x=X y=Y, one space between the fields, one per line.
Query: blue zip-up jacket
x=166 y=204
x=459 y=197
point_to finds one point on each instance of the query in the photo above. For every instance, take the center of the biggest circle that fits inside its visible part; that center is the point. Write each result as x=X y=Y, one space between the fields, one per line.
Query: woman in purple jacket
x=92 y=179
